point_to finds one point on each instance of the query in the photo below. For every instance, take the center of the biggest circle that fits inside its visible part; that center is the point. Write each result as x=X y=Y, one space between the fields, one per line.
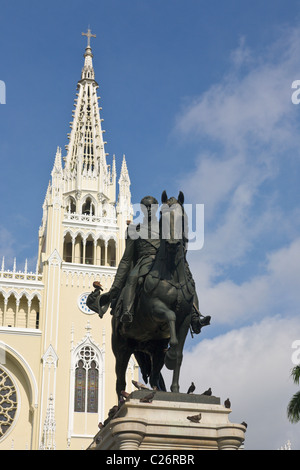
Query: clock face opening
x=82 y=304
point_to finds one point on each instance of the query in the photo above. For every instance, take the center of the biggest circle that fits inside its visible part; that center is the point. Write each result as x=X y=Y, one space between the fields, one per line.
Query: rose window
x=8 y=402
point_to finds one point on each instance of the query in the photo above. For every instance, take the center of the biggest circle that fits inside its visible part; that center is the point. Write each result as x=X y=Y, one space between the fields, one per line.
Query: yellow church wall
x=73 y=326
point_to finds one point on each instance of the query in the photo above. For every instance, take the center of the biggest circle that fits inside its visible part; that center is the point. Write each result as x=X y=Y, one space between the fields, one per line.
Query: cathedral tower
x=56 y=353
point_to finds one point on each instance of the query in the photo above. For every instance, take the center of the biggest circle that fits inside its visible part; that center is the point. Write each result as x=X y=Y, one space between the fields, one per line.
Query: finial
x=89 y=35
x=114 y=165
x=88 y=329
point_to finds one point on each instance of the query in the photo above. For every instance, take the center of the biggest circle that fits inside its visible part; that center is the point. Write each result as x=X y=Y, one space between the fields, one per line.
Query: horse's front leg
x=122 y=354
x=182 y=332
x=163 y=313
x=121 y=367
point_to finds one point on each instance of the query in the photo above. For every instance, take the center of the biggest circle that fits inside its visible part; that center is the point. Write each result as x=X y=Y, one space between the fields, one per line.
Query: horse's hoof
x=170 y=359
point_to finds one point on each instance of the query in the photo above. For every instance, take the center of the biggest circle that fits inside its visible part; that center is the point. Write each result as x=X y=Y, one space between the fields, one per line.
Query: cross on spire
x=89 y=35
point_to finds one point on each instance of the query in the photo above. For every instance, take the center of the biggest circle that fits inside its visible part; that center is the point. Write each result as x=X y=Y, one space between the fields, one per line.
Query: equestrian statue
x=153 y=298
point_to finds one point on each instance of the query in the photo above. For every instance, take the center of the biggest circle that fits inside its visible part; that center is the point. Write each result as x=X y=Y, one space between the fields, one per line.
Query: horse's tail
x=145 y=364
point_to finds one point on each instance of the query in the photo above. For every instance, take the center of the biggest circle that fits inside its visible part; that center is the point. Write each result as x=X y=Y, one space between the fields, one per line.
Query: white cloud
x=252 y=367
x=250 y=103
x=247 y=128
x=248 y=132
x=249 y=117
x=276 y=291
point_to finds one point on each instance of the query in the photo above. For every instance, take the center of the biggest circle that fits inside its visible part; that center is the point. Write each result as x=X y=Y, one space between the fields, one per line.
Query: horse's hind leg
x=158 y=357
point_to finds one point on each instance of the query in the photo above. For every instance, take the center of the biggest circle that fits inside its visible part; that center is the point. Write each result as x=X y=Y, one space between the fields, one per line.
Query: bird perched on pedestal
x=194 y=418
x=191 y=388
x=207 y=392
x=227 y=403
x=139 y=386
x=125 y=394
x=148 y=398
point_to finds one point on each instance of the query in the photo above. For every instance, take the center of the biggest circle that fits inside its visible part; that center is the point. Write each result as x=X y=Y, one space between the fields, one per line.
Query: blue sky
x=197 y=95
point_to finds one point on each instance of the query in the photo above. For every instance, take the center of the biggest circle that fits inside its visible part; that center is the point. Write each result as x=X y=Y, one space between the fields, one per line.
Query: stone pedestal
x=163 y=424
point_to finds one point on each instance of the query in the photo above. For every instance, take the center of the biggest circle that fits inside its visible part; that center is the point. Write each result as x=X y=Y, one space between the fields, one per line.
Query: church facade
x=57 y=378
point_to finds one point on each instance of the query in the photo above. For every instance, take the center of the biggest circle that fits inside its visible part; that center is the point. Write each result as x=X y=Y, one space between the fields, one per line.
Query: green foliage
x=296 y=374
x=293 y=409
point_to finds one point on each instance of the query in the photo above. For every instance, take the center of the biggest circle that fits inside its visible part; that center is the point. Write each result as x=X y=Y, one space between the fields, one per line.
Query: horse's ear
x=181 y=197
x=164 y=197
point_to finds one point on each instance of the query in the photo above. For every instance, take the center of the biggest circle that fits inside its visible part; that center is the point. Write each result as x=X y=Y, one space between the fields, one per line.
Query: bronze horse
x=163 y=308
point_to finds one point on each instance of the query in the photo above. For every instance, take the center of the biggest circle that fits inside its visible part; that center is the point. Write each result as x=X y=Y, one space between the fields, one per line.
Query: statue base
x=163 y=424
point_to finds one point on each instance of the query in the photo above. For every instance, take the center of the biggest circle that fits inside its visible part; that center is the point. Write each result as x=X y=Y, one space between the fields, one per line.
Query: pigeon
x=113 y=411
x=227 y=403
x=97 y=285
x=100 y=425
x=124 y=394
x=191 y=388
x=148 y=398
x=139 y=386
x=207 y=392
x=244 y=424
x=195 y=418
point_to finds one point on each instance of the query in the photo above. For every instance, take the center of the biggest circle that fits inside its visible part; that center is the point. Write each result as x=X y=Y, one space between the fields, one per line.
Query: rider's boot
x=197 y=322
x=127 y=315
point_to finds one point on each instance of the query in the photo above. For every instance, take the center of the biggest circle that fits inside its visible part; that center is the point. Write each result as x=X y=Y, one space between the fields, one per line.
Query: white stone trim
x=10 y=330
x=32 y=383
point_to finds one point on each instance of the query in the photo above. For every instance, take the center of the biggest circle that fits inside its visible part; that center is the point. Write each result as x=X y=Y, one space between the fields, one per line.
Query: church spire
x=124 y=187
x=86 y=149
x=124 y=176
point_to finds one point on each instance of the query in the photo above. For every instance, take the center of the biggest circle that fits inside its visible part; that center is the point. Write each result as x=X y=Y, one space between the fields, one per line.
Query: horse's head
x=172 y=221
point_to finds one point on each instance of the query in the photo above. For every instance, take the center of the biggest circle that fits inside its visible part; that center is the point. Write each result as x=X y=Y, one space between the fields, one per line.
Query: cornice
x=88 y=268
x=10 y=330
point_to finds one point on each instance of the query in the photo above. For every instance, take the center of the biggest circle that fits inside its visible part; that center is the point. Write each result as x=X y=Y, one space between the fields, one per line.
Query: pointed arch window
x=88 y=208
x=86 y=381
x=80 y=386
x=92 y=398
x=71 y=205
